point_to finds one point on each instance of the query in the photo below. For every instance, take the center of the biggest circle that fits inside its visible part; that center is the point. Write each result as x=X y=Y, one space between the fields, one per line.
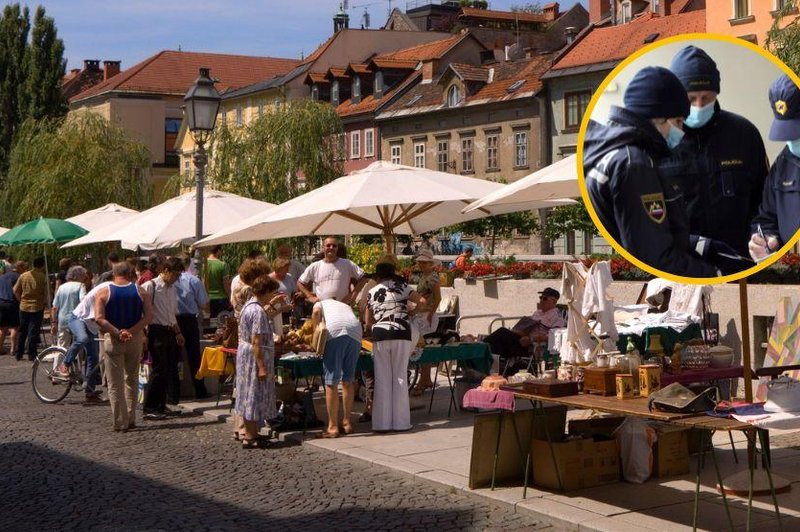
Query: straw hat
x=426 y=255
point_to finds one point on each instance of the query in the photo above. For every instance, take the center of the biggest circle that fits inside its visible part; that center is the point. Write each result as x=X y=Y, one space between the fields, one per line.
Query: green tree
x=561 y=220
x=14 y=28
x=783 y=39
x=266 y=159
x=502 y=225
x=44 y=71
x=529 y=7
x=477 y=4
x=62 y=167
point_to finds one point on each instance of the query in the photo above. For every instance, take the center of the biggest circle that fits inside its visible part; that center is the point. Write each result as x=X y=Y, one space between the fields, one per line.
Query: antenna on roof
x=179 y=47
x=365 y=19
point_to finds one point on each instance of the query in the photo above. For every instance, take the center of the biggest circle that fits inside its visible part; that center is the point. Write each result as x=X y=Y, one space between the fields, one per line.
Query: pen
x=764 y=238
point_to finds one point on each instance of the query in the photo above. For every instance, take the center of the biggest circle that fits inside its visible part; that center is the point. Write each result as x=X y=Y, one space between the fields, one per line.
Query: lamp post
x=201 y=105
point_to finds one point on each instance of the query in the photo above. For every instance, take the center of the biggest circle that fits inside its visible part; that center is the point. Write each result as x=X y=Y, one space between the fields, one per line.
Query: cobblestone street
x=62 y=467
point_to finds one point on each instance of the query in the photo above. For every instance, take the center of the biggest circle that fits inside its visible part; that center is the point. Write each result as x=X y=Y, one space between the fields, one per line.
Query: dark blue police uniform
x=780 y=207
x=779 y=214
x=645 y=215
x=721 y=168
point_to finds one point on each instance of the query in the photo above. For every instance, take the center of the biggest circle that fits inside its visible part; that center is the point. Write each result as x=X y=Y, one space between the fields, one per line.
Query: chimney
x=569 y=33
x=598 y=10
x=427 y=71
x=91 y=64
x=110 y=69
x=551 y=11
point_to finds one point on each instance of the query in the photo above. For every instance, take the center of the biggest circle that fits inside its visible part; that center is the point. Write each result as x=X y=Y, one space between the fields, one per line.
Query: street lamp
x=201 y=105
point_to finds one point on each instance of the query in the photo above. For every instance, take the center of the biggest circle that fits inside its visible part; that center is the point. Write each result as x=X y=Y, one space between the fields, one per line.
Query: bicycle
x=49 y=384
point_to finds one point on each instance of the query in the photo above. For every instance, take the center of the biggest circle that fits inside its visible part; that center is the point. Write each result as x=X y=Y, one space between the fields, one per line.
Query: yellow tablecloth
x=214 y=363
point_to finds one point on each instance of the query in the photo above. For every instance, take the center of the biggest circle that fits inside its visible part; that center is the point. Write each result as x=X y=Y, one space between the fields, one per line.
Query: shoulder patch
x=655 y=207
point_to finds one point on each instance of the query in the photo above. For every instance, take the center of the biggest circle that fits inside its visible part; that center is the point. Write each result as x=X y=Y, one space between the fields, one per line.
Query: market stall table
x=215 y=363
x=638 y=407
x=477 y=355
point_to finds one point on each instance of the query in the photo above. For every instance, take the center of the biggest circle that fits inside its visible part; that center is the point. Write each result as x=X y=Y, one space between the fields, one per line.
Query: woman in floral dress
x=255 y=363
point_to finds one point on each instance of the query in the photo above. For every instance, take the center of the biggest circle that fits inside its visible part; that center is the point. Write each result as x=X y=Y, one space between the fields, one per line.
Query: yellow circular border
x=582 y=179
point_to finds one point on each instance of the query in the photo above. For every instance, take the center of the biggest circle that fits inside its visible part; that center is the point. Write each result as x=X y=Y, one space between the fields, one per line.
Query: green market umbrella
x=42 y=231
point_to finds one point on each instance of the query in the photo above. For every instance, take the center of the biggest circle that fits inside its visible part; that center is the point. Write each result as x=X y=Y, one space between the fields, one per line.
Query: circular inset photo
x=689 y=157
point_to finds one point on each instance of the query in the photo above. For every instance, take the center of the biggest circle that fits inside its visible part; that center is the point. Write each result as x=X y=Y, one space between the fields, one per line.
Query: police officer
x=778 y=217
x=720 y=164
x=646 y=218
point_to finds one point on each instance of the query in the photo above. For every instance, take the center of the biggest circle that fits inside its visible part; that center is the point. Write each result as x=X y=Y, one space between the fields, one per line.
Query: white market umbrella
x=173 y=222
x=3 y=230
x=384 y=198
x=102 y=217
x=559 y=180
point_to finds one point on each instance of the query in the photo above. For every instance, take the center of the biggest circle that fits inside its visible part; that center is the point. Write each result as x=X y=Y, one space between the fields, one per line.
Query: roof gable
x=614 y=43
x=172 y=73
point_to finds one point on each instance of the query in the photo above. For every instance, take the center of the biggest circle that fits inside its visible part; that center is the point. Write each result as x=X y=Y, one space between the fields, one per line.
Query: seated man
x=517 y=341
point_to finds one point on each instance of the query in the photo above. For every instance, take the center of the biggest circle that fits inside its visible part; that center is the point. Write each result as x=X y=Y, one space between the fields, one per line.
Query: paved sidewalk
x=438 y=451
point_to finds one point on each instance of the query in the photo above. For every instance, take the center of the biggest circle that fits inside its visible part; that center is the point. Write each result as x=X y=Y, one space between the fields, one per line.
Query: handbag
x=681 y=400
x=319 y=338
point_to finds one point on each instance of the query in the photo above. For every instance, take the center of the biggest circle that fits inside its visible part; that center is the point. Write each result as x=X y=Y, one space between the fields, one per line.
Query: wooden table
x=637 y=407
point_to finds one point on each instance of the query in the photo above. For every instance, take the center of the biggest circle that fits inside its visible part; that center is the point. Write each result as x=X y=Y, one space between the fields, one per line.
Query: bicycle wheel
x=49 y=385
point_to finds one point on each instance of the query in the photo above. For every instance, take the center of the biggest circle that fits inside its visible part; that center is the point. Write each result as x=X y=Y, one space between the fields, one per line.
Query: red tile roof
x=471 y=72
x=430 y=96
x=618 y=42
x=76 y=82
x=358 y=68
x=399 y=64
x=488 y=14
x=369 y=103
x=679 y=5
x=172 y=72
x=424 y=52
x=336 y=72
x=316 y=77
x=508 y=73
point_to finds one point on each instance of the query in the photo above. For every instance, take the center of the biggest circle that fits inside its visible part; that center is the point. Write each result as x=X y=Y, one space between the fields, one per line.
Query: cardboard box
x=671 y=451
x=581 y=463
x=595 y=426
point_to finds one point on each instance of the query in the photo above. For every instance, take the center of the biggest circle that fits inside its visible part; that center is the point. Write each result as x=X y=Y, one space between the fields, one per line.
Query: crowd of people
x=150 y=311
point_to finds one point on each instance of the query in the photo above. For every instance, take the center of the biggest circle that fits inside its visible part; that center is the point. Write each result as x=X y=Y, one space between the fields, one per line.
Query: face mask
x=794 y=147
x=674 y=136
x=699 y=116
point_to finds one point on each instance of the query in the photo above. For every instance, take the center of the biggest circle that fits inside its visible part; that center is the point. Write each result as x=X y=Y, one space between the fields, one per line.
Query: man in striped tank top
x=122 y=311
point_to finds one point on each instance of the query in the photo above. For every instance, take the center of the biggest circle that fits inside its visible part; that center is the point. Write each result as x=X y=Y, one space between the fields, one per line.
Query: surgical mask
x=674 y=136
x=699 y=116
x=794 y=147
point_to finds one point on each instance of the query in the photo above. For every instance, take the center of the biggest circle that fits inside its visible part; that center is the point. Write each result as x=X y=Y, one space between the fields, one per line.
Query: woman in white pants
x=389 y=321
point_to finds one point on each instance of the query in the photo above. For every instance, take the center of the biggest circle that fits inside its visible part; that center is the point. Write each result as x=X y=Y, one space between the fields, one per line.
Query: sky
x=132 y=30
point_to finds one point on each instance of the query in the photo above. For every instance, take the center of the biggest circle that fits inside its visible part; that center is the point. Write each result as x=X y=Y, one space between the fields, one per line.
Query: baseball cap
x=784 y=99
x=550 y=292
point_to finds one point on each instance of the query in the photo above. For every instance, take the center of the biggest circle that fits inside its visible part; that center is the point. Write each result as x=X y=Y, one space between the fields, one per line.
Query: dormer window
x=655 y=5
x=453 y=96
x=378 y=90
x=627 y=12
x=315 y=92
x=335 y=93
x=356 y=87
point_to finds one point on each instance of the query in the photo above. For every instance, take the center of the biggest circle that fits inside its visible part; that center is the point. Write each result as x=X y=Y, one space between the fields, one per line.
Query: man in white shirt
x=331 y=277
x=164 y=340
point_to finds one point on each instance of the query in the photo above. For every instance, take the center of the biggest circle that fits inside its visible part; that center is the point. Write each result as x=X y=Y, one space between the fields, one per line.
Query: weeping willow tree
x=287 y=151
x=60 y=168
x=783 y=38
